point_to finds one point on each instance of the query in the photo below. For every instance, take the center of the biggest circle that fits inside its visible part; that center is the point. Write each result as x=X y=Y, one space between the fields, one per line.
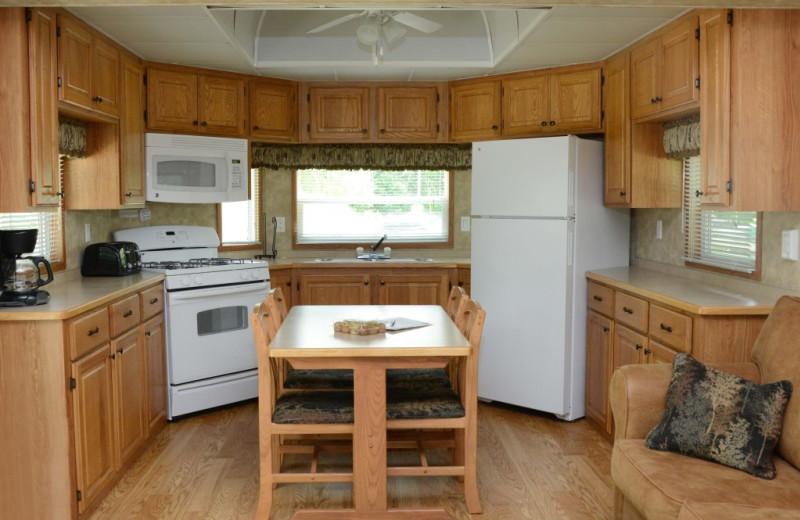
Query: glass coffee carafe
x=21 y=277
x=26 y=275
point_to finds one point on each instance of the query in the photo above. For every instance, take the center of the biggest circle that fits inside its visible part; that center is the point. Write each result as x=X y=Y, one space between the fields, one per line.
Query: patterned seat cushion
x=417 y=378
x=335 y=407
x=319 y=379
x=427 y=403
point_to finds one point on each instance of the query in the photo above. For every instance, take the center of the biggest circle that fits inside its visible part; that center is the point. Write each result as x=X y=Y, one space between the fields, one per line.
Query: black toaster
x=111 y=259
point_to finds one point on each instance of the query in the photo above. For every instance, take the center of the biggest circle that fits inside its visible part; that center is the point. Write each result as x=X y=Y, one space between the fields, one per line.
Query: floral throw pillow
x=721 y=417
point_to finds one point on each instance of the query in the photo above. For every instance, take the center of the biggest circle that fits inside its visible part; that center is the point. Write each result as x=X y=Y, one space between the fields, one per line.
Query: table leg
x=369 y=438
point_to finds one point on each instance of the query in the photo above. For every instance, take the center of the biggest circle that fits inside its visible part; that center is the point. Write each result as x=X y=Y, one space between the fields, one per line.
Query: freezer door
x=521 y=276
x=522 y=177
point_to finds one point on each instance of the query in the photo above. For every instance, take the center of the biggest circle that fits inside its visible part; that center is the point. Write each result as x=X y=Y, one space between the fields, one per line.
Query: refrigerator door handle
x=570 y=242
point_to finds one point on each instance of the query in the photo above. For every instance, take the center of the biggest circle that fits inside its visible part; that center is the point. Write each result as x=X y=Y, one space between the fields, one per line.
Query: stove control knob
x=198 y=280
x=243 y=275
x=257 y=274
x=185 y=281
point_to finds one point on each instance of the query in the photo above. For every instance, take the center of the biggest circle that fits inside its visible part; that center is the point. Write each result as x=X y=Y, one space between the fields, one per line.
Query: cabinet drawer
x=87 y=332
x=601 y=299
x=631 y=311
x=671 y=328
x=151 y=301
x=124 y=315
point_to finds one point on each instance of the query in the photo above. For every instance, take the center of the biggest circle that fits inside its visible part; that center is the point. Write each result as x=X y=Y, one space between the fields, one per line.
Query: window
x=722 y=240
x=350 y=207
x=50 y=223
x=239 y=223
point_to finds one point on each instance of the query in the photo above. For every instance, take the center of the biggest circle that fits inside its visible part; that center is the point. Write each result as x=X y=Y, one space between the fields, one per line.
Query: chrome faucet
x=377 y=244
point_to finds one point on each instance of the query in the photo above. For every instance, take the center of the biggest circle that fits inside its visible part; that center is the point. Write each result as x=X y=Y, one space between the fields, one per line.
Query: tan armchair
x=660 y=485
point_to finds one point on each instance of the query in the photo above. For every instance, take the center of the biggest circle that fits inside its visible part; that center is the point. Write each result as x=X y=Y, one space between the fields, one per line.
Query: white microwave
x=195 y=169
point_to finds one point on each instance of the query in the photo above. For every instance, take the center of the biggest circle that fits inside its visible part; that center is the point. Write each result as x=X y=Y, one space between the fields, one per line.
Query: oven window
x=186 y=174
x=222 y=319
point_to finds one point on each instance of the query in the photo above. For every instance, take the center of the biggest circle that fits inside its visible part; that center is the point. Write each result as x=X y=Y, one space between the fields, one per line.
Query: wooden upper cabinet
x=273 y=110
x=409 y=113
x=338 y=114
x=43 y=67
x=575 y=100
x=131 y=133
x=526 y=105
x=171 y=100
x=616 y=99
x=89 y=68
x=664 y=72
x=475 y=110
x=221 y=105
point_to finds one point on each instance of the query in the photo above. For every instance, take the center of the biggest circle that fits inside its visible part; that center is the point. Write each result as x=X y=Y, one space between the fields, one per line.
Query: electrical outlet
x=280 y=224
x=87 y=232
x=464 y=223
x=659 y=229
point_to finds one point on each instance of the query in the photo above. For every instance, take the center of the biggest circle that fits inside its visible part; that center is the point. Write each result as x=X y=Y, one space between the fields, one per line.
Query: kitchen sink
x=381 y=260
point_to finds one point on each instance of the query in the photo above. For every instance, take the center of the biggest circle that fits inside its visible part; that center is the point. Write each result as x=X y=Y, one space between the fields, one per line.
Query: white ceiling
x=273 y=42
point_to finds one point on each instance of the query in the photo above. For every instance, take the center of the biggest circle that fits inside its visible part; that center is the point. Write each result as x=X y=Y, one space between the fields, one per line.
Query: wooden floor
x=530 y=466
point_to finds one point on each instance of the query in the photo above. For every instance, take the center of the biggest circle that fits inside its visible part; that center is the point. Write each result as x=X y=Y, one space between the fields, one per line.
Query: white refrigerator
x=538 y=224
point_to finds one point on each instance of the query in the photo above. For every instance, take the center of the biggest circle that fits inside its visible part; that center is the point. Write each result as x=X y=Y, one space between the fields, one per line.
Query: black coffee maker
x=21 y=276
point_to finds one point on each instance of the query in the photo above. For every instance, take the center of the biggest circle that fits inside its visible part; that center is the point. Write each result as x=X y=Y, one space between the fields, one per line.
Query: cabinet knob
x=366 y=282
x=627 y=310
x=698 y=193
x=97 y=99
x=94 y=331
x=622 y=193
x=120 y=351
x=364 y=131
x=153 y=300
x=552 y=123
x=666 y=327
x=544 y=123
x=658 y=99
x=289 y=283
x=194 y=123
x=638 y=347
x=605 y=329
x=461 y=283
x=647 y=352
x=256 y=128
x=494 y=127
x=382 y=130
x=127 y=314
x=129 y=194
x=652 y=101
x=112 y=356
x=383 y=282
x=148 y=333
x=203 y=124
x=597 y=298
x=61 y=193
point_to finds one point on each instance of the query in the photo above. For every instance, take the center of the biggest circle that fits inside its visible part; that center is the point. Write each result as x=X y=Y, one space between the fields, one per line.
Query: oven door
x=209 y=331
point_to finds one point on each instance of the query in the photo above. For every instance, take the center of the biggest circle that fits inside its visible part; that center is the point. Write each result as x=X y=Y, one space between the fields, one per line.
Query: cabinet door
x=43 y=67
x=465 y=279
x=628 y=346
x=75 y=63
x=644 y=74
x=155 y=381
x=282 y=279
x=171 y=100
x=408 y=113
x=92 y=405
x=715 y=107
x=131 y=133
x=658 y=353
x=526 y=105
x=338 y=113
x=679 y=66
x=599 y=359
x=129 y=398
x=413 y=288
x=273 y=110
x=221 y=105
x=575 y=101
x=105 y=77
x=334 y=289
x=616 y=97
x=475 y=111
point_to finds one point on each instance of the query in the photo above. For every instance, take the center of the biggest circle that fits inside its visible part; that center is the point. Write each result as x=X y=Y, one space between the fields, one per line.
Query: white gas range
x=211 y=355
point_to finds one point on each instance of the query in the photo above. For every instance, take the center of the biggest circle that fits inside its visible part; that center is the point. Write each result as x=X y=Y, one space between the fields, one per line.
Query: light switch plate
x=789 y=243
x=87 y=232
x=280 y=224
x=464 y=223
x=659 y=229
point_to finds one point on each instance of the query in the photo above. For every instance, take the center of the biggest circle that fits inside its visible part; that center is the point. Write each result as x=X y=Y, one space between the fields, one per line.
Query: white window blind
x=725 y=239
x=241 y=222
x=341 y=206
x=50 y=223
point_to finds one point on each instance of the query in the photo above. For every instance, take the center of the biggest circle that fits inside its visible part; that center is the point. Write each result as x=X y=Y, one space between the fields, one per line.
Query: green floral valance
x=355 y=156
x=71 y=137
x=682 y=137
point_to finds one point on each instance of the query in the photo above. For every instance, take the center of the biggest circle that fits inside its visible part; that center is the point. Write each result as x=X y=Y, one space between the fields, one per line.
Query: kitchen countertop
x=689 y=295
x=73 y=297
x=399 y=261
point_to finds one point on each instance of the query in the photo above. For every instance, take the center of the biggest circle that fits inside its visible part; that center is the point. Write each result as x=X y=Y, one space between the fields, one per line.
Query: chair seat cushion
x=319 y=379
x=658 y=482
x=334 y=407
x=417 y=378
x=428 y=403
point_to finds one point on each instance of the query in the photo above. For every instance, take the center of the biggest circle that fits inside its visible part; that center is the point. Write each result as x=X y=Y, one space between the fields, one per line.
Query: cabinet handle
x=652 y=101
x=256 y=128
x=120 y=351
x=647 y=352
x=203 y=124
x=605 y=329
x=154 y=300
x=544 y=123
x=627 y=310
x=494 y=127
x=127 y=314
x=382 y=130
x=638 y=347
x=698 y=193
x=148 y=333
x=552 y=123
x=129 y=194
x=194 y=123
x=97 y=99
x=622 y=193
x=598 y=298
x=364 y=131
x=61 y=193
x=366 y=282
x=666 y=327
x=658 y=99
x=94 y=331
x=112 y=356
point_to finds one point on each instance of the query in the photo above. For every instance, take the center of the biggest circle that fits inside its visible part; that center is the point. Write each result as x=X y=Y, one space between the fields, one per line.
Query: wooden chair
x=418 y=407
x=457 y=298
x=289 y=413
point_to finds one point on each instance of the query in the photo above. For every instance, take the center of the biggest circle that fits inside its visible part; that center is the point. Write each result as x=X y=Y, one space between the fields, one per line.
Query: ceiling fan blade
x=417 y=22
x=334 y=23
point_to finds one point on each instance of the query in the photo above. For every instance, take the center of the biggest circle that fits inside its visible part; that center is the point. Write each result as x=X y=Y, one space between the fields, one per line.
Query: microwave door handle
x=195 y=294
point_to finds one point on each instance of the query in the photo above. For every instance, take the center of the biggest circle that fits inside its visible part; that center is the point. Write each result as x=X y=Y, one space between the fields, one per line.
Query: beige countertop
x=399 y=261
x=689 y=295
x=73 y=297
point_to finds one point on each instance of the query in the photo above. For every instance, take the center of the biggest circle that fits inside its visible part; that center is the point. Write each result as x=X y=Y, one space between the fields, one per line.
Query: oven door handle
x=197 y=294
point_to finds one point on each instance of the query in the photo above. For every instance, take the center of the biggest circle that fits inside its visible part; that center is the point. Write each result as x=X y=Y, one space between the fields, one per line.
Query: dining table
x=307 y=340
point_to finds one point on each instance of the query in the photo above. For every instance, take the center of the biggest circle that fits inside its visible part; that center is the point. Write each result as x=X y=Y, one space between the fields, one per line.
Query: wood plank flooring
x=531 y=466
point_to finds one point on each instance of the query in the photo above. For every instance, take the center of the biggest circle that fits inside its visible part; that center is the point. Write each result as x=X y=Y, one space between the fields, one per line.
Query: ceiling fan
x=382 y=26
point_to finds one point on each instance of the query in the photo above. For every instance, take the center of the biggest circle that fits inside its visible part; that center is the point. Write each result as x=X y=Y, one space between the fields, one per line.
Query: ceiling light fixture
x=370 y=32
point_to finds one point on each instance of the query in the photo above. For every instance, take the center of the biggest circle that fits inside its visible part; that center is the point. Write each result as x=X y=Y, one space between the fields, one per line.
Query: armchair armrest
x=638 y=394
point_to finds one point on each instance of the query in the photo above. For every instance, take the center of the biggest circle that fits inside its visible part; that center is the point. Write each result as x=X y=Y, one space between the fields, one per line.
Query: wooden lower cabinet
x=282 y=278
x=413 y=289
x=658 y=353
x=599 y=354
x=629 y=346
x=155 y=383
x=128 y=369
x=334 y=289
